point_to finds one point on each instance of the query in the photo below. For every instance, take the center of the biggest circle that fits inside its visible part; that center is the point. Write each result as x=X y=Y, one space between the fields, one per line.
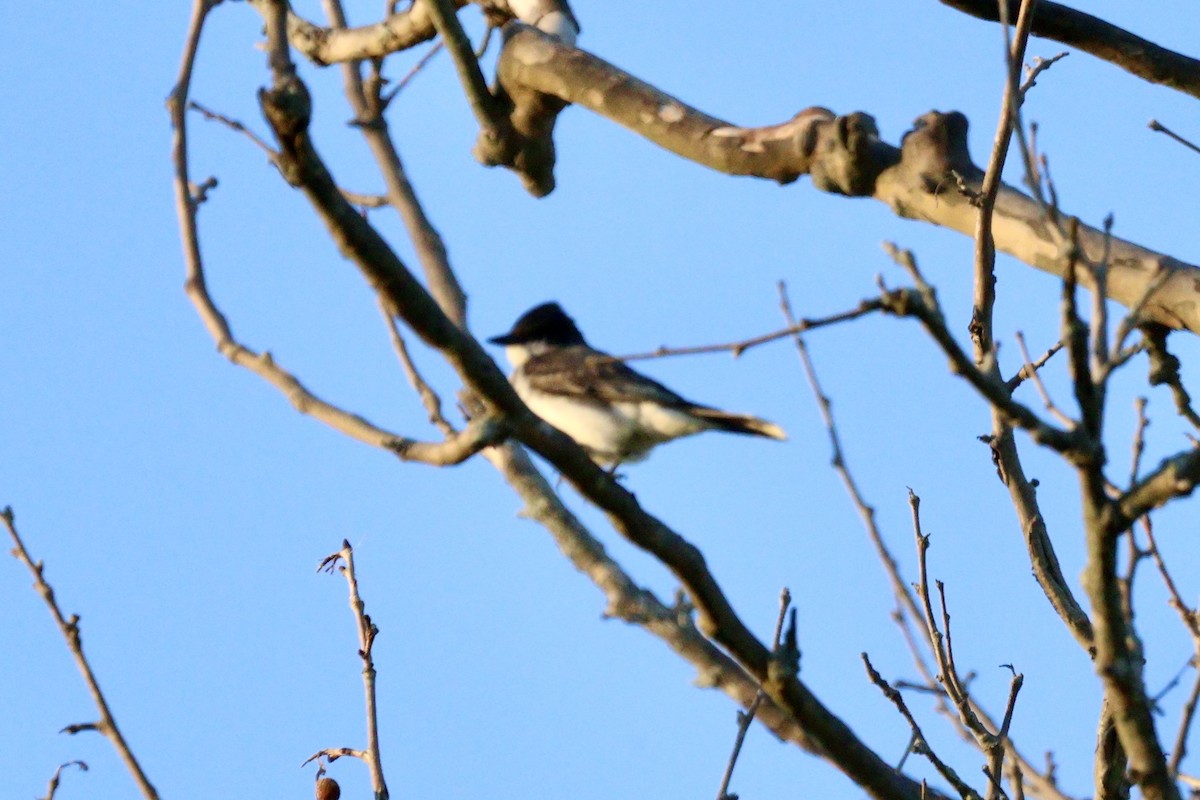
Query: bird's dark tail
x=739 y=423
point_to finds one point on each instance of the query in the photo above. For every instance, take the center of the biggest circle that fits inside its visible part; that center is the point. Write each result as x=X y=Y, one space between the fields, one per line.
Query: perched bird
x=616 y=414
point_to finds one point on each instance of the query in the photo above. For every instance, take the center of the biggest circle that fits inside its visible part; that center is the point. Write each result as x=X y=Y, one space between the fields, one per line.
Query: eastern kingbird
x=616 y=414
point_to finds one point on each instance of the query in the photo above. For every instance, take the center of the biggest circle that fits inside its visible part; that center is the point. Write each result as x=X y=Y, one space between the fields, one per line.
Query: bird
x=613 y=412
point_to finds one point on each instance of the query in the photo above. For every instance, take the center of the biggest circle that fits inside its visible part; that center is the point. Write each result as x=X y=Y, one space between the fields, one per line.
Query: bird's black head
x=545 y=323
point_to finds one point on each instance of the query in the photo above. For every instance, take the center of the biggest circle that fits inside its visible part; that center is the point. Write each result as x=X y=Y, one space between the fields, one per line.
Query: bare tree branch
x=400 y=31
x=985 y=243
x=343 y=561
x=1029 y=369
x=481 y=433
x=1101 y=39
x=842 y=154
x=52 y=787
x=387 y=274
x=483 y=105
x=906 y=605
x=1158 y=127
x=745 y=718
x=742 y=345
x=1176 y=476
x=69 y=627
x=920 y=743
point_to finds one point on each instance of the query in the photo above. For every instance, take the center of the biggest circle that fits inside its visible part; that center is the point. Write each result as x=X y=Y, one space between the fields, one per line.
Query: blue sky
x=181 y=505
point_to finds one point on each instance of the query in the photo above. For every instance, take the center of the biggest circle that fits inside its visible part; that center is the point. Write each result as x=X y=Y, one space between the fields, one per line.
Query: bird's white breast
x=618 y=432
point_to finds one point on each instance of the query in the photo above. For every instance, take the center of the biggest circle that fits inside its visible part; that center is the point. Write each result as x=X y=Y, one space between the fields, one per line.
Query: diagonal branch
x=483 y=105
x=1158 y=127
x=920 y=743
x=69 y=627
x=1101 y=39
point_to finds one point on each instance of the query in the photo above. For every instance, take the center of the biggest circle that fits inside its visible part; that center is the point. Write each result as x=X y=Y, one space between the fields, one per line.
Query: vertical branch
x=1100 y=350
x=747 y=717
x=69 y=627
x=185 y=203
x=366 y=640
x=1075 y=335
x=1042 y=556
x=996 y=754
x=985 y=245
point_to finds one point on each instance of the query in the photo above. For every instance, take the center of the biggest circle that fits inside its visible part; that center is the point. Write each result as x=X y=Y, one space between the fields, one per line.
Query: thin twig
x=996 y=756
x=237 y=126
x=334 y=753
x=1186 y=718
x=366 y=640
x=1187 y=614
x=52 y=787
x=1139 y=439
x=985 y=245
x=1030 y=369
x=429 y=398
x=921 y=744
x=414 y=72
x=1039 y=66
x=357 y=198
x=747 y=717
x=742 y=345
x=1133 y=319
x=1157 y=126
x=69 y=627
x=899 y=587
x=486 y=41
x=940 y=643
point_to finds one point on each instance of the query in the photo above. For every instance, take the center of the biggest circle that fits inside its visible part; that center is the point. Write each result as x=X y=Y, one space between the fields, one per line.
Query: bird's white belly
x=610 y=433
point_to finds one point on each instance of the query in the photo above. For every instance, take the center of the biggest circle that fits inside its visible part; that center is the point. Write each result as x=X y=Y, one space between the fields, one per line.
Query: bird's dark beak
x=504 y=339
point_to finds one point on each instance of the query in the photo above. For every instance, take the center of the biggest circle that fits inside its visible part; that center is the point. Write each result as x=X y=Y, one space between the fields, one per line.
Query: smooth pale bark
x=929 y=177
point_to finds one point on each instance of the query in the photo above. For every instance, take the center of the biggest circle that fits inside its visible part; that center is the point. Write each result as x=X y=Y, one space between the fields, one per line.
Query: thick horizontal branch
x=324 y=46
x=1175 y=477
x=1101 y=39
x=929 y=177
x=408 y=28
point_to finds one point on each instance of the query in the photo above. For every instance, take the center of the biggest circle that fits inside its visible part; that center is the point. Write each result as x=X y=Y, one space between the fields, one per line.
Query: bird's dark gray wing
x=587 y=374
